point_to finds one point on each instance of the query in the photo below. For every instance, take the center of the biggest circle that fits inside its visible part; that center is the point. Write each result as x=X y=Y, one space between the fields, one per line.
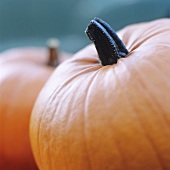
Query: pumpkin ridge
x=49 y=131
x=156 y=105
x=164 y=120
x=150 y=140
x=123 y=160
x=72 y=78
x=38 y=140
x=154 y=148
x=84 y=115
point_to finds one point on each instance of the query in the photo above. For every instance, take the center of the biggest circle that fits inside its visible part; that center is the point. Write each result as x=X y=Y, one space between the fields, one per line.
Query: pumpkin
x=116 y=116
x=24 y=71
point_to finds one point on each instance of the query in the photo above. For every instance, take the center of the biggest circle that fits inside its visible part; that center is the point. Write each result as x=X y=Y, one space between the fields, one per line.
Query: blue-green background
x=32 y=22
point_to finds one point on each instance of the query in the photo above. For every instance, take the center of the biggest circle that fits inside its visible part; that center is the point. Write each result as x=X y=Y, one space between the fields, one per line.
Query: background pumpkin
x=23 y=72
x=114 y=117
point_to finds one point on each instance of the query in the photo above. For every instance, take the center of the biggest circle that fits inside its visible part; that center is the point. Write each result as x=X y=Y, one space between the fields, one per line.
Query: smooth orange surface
x=23 y=72
x=116 y=117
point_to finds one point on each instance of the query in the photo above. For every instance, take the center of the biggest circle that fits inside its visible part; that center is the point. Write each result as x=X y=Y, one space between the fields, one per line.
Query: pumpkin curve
x=24 y=71
x=113 y=117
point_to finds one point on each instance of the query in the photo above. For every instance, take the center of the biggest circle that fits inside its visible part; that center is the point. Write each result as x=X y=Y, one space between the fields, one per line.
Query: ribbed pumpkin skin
x=116 y=117
x=23 y=72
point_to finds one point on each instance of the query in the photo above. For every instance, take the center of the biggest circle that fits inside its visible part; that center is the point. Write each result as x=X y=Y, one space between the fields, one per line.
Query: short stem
x=53 y=57
x=108 y=45
x=53 y=52
x=113 y=34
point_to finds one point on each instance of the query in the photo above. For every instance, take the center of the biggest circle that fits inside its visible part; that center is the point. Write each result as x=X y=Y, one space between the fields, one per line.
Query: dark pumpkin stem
x=108 y=45
x=53 y=52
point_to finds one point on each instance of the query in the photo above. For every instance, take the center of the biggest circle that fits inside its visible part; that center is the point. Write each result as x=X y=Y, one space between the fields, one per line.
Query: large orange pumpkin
x=23 y=72
x=115 y=117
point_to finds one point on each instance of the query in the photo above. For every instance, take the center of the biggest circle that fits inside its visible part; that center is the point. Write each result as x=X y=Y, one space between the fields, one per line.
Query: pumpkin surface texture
x=113 y=117
x=23 y=72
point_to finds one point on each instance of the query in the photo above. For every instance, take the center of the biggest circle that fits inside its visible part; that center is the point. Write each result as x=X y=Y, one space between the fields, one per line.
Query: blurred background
x=32 y=22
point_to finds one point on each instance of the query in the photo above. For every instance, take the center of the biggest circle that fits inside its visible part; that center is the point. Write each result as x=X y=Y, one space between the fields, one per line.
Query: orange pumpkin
x=23 y=72
x=116 y=117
